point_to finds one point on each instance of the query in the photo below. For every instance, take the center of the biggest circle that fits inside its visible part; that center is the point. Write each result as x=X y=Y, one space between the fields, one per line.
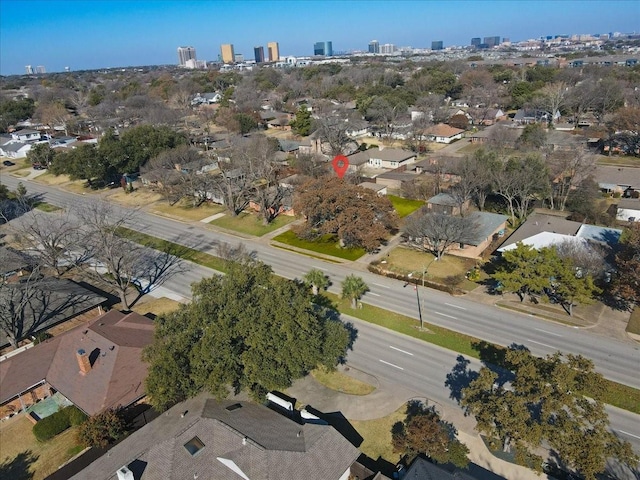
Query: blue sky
x=97 y=33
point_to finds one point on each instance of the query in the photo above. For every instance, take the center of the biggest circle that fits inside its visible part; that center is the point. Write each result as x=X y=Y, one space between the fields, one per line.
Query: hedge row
x=375 y=268
x=50 y=426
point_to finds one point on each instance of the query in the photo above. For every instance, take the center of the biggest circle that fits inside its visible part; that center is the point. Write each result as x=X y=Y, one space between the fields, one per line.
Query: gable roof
x=391 y=154
x=540 y=222
x=237 y=437
x=444 y=199
x=443 y=130
x=621 y=176
x=486 y=224
x=114 y=342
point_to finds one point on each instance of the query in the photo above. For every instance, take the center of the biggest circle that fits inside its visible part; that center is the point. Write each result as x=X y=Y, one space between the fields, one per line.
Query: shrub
x=76 y=416
x=50 y=426
x=102 y=429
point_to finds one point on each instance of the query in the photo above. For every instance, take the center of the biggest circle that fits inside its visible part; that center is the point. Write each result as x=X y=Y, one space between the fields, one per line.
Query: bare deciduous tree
x=568 y=170
x=437 y=232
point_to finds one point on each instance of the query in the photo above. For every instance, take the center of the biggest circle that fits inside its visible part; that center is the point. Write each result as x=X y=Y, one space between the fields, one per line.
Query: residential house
x=15 y=149
x=446 y=204
x=628 y=210
x=208 y=98
x=26 y=135
x=357 y=161
x=488 y=117
x=561 y=141
x=527 y=116
x=276 y=120
x=389 y=157
x=13 y=265
x=542 y=230
x=489 y=226
x=95 y=366
x=376 y=187
x=228 y=439
x=54 y=301
x=395 y=179
x=622 y=181
x=443 y=133
x=423 y=469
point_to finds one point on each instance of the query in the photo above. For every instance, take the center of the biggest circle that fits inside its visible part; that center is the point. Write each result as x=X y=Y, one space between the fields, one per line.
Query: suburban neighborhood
x=390 y=263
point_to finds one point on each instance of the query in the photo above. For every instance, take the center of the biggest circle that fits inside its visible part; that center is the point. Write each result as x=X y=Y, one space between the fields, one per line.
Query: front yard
x=377 y=435
x=251 y=224
x=404 y=261
x=327 y=245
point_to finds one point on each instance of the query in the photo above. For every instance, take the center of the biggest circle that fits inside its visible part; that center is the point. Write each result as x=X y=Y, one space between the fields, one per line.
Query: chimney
x=125 y=474
x=83 y=361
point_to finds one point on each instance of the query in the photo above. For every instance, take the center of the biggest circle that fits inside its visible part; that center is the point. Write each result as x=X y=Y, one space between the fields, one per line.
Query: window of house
x=194 y=445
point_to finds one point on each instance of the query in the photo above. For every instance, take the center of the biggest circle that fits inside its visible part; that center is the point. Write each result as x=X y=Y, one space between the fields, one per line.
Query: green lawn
x=251 y=223
x=376 y=435
x=634 y=322
x=46 y=207
x=404 y=206
x=328 y=245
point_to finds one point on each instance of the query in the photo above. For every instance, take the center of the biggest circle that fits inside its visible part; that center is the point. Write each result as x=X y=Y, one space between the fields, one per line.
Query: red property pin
x=340 y=165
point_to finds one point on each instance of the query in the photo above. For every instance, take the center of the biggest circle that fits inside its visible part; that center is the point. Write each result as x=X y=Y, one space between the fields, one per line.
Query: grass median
x=617 y=394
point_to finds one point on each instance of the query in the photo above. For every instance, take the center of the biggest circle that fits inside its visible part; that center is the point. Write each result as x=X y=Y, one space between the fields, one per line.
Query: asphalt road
x=617 y=360
x=402 y=360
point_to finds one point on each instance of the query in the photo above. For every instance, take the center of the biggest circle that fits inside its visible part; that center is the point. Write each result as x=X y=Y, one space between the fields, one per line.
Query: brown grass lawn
x=16 y=437
x=620 y=160
x=183 y=211
x=377 y=435
x=51 y=179
x=156 y=306
x=342 y=383
x=404 y=261
x=137 y=198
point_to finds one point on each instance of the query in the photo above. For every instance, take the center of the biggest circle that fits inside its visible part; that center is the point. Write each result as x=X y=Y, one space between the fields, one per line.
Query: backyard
x=23 y=457
x=404 y=206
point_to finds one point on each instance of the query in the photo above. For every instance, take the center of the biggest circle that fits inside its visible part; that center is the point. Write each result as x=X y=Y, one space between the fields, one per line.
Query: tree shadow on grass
x=19 y=467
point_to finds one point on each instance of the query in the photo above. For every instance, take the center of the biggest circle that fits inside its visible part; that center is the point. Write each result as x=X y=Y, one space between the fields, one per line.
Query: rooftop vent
x=125 y=474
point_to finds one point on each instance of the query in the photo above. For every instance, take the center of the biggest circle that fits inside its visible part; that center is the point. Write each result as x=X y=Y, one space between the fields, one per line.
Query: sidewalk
x=386 y=399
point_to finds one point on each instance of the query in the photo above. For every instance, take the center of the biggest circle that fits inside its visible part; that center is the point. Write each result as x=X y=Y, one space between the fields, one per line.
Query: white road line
x=392 y=365
x=630 y=434
x=322 y=268
x=546 y=331
x=455 y=306
x=445 y=315
x=543 y=344
x=383 y=286
x=374 y=294
x=403 y=351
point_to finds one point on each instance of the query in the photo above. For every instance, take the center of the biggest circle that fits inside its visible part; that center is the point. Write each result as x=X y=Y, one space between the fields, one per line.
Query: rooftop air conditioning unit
x=125 y=474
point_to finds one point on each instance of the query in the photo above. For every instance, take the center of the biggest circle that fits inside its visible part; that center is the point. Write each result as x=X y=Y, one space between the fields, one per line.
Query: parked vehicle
x=8 y=163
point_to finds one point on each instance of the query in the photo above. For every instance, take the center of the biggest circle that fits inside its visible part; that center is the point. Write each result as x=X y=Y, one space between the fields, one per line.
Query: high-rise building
x=238 y=58
x=184 y=54
x=492 y=41
x=227 y=54
x=388 y=48
x=28 y=70
x=437 y=45
x=374 y=46
x=258 y=53
x=40 y=69
x=274 y=51
x=476 y=41
x=323 y=48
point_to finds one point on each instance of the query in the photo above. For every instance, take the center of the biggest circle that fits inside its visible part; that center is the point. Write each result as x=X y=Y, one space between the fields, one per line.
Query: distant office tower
x=40 y=69
x=374 y=46
x=492 y=41
x=476 y=41
x=28 y=69
x=323 y=48
x=436 y=45
x=274 y=51
x=186 y=53
x=226 y=50
x=238 y=57
x=387 y=48
x=258 y=53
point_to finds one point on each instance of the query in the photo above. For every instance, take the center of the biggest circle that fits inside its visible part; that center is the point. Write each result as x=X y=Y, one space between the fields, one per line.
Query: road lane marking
x=403 y=351
x=445 y=315
x=547 y=331
x=322 y=268
x=379 y=285
x=374 y=294
x=392 y=365
x=630 y=434
x=455 y=306
x=543 y=344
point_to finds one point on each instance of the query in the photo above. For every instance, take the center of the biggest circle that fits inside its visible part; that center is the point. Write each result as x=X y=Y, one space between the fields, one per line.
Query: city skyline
x=97 y=34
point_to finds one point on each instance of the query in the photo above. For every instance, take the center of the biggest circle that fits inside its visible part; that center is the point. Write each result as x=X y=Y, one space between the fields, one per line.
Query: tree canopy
x=247 y=330
x=627 y=279
x=357 y=216
x=543 y=402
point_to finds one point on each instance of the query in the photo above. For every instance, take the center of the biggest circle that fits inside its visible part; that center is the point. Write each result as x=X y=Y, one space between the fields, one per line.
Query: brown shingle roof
x=114 y=343
x=443 y=130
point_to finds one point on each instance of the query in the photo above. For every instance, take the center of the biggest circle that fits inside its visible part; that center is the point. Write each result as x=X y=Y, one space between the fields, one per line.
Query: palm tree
x=317 y=280
x=354 y=288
